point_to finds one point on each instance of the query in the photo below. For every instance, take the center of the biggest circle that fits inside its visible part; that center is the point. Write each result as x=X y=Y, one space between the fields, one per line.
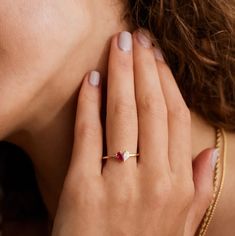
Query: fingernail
x=214 y=157
x=94 y=78
x=158 y=54
x=144 y=40
x=125 y=41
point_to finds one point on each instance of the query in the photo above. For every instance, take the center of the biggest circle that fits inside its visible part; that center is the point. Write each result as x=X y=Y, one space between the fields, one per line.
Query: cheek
x=37 y=36
x=36 y=40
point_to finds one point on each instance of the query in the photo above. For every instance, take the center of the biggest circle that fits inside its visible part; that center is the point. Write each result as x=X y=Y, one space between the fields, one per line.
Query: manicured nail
x=214 y=157
x=158 y=54
x=94 y=78
x=144 y=40
x=125 y=41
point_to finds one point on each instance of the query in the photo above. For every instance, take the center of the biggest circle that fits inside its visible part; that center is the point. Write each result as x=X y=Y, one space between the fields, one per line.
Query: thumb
x=203 y=174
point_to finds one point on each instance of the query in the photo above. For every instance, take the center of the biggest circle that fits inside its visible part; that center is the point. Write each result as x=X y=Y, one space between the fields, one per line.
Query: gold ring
x=122 y=156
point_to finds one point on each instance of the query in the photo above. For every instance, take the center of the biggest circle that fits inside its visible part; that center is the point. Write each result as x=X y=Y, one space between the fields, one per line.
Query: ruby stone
x=119 y=156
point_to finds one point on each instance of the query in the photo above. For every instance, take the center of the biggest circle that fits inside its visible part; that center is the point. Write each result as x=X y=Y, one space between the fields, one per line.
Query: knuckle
x=125 y=63
x=152 y=105
x=72 y=180
x=124 y=108
x=124 y=198
x=187 y=191
x=180 y=113
x=90 y=98
x=190 y=194
x=87 y=129
x=83 y=192
x=160 y=193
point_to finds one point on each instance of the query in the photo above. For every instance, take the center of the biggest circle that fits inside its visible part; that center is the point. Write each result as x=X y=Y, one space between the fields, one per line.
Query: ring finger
x=121 y=123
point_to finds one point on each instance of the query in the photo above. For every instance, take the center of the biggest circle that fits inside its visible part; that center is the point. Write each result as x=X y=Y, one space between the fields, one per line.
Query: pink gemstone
x=119 y=156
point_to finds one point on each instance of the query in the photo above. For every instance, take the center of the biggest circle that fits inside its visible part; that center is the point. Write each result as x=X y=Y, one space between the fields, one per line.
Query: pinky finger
x=88 y=143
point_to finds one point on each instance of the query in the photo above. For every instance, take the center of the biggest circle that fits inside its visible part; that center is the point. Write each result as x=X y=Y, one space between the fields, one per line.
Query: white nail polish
x=125 y=41
x=94 y=78
x=214 y=158
x=158 y=54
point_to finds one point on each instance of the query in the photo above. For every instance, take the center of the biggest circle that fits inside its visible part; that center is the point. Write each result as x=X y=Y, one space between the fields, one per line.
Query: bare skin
x=154 y=195
x=54 y=113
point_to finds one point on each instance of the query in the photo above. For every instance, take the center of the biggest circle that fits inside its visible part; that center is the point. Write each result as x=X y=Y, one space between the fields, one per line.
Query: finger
x=179 y=121
x=203 y=169
x=87 y=150
x=121 y=119
x=152 y=115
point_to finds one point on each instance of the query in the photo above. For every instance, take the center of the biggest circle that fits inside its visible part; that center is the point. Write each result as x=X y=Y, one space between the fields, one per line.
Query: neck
x=49 y=147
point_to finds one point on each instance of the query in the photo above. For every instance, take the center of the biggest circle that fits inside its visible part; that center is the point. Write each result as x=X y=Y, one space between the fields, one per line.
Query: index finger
x=88 y=142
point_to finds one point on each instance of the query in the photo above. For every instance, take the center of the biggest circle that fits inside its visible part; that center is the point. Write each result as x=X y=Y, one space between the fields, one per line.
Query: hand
x=154 y=194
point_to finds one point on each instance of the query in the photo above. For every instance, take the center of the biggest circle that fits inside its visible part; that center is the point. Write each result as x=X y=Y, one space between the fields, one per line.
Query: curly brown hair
x=197 y=39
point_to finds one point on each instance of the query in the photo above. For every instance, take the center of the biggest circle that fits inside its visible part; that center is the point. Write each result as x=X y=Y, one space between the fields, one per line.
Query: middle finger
x=151 y=106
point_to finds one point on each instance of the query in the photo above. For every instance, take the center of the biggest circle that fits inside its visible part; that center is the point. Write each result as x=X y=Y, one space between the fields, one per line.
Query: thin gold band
x=114 y=156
